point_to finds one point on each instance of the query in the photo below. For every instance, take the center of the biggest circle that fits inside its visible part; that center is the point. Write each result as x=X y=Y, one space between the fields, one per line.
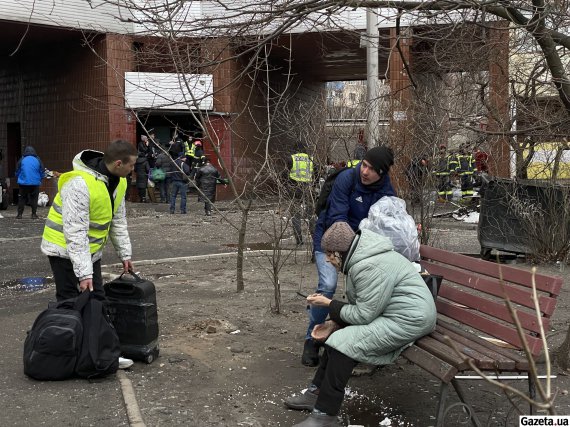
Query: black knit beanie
x=381 y=158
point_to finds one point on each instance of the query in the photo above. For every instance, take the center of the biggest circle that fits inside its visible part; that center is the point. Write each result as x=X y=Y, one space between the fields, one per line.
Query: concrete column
x=372 y=89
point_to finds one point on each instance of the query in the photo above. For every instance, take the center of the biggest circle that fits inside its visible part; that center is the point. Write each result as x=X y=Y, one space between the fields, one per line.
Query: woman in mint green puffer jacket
x=389 y=307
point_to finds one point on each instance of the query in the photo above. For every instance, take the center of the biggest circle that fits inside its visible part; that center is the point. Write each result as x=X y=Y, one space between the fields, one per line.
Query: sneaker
x=310 y=355
x=302 y=402
x=125 y=363
x=1 y=216
x=34 y=216
x=320 y=420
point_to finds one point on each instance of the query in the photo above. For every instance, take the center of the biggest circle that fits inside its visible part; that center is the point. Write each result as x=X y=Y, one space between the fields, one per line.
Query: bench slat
x=437 y=367
x=468 y=347
x=442 y=351
x=550 y=284
x=521 y=363
x=481 y=360
x=520 y=296
x=490 y=327
x=496 y=309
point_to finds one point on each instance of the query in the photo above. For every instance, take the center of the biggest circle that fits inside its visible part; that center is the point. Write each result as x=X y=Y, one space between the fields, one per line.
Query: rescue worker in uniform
x=446 y=168
x=466 y=170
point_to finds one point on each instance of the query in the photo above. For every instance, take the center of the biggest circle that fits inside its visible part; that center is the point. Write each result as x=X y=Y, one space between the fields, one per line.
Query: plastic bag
x=157 y=175
x=388 y=217
x=43 y=199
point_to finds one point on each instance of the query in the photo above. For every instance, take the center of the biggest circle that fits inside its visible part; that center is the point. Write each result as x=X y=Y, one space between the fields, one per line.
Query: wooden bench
x=471 y=307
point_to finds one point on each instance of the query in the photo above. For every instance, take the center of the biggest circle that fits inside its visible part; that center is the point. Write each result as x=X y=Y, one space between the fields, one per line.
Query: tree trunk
x=241 y=246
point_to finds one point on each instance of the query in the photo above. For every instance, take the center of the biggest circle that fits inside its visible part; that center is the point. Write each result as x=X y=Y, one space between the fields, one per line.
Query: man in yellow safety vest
x=88 y=209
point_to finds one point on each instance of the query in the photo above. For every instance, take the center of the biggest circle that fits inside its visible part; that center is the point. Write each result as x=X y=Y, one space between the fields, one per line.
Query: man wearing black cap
x=353 y=192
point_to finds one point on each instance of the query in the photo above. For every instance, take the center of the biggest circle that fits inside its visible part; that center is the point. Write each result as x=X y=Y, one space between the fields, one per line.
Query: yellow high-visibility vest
x=187 y=149
x=302 y=169
x=352 y=163
x=100 y=212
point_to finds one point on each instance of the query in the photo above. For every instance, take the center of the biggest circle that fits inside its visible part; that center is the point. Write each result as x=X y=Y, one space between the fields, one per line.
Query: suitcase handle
x=125 y=288
x=132 y=273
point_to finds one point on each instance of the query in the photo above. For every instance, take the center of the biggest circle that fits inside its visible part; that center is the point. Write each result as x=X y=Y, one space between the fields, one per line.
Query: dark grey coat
x=207 y=177
x=142 y=169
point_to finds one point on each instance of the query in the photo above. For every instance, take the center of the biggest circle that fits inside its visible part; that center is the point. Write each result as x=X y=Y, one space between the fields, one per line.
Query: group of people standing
x=171 y=169
x=462 y=165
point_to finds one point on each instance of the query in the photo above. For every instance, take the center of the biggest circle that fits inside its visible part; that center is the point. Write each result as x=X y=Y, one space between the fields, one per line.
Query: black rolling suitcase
x=133 y=311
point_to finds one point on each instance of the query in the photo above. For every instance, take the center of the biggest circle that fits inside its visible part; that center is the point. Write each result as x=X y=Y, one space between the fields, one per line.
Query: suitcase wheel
x=151 y=356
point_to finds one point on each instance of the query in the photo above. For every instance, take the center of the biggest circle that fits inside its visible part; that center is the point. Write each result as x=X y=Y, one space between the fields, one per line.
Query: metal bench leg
x=459 y=391
x=443 y=391
x=531 y=392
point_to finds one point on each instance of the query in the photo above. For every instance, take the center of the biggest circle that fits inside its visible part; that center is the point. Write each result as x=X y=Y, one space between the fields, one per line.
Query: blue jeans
x=328 y=277
x=182 y=187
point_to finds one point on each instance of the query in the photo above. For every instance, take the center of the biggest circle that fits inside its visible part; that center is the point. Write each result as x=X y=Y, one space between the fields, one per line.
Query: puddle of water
x=359 y=410
x=27 y=284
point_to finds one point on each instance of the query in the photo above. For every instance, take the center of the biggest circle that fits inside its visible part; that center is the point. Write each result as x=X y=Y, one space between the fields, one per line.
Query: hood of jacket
x=362 y=248
x=85 y=161
x=29 y=151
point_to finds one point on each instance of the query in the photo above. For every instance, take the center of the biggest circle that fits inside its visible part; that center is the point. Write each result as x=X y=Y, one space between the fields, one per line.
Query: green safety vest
x=302 y=169
x=100 y=212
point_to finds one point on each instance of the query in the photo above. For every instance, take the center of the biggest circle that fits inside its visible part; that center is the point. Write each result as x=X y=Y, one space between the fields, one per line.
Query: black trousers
x=28 y=194
x=67 y=283
x=331 y=378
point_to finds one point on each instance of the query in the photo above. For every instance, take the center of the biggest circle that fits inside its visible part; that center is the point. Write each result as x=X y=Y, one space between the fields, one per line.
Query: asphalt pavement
x=154 y=234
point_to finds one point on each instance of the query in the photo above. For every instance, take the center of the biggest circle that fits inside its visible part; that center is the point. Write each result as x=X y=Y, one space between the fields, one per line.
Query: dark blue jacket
x=350 y=201
x=30 y=169
x=177 y=175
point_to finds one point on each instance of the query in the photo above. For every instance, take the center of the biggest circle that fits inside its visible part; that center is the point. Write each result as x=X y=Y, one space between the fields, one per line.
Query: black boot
x=310 y=355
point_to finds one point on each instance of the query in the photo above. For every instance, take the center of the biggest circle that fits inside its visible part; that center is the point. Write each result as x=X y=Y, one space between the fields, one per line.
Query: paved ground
x=226 y=359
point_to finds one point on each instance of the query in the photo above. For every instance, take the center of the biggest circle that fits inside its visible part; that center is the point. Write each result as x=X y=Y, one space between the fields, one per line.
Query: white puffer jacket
x=75 y=200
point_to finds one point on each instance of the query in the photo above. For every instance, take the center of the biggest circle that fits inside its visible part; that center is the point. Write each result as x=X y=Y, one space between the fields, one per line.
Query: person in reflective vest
x=352 y=163
x=88 y=209
x=466 y=170
x=189 y=149
x=447 y=165
x=301 y=172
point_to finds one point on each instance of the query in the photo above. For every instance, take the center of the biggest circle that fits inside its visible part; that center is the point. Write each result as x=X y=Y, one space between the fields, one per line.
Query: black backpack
x=53 y=344
x=72 y=337
x=100 y=348
x=322 y=201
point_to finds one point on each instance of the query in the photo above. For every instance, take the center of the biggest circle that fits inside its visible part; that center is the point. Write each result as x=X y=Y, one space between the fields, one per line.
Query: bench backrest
x=473 y=293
